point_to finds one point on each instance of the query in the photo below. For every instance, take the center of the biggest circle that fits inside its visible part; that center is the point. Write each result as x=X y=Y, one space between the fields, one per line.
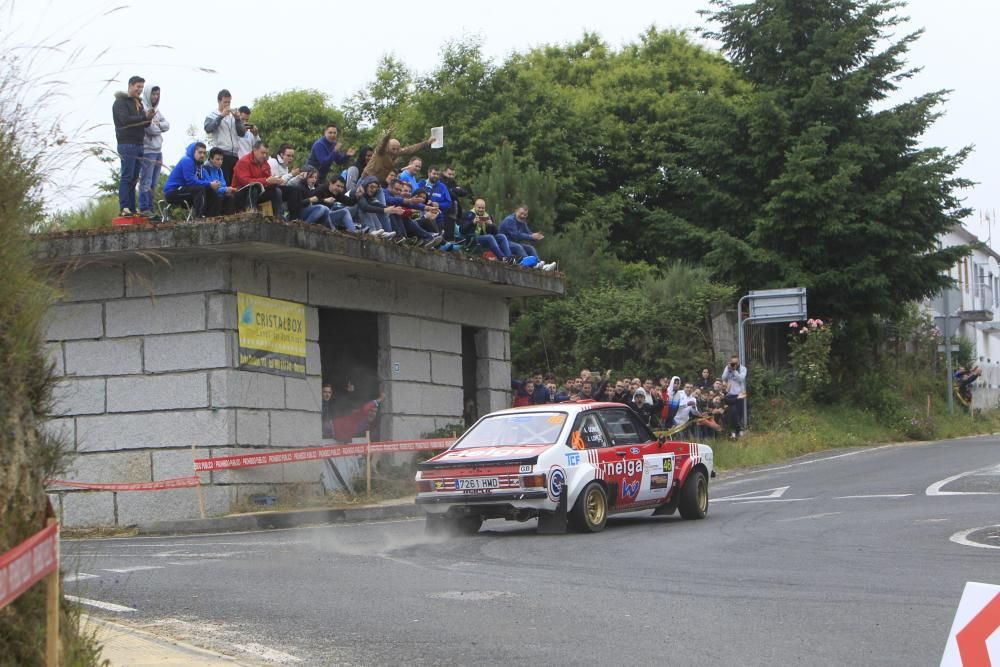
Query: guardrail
x=22 y=567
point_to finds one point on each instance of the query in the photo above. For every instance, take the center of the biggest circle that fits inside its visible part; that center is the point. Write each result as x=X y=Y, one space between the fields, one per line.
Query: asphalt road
x=854 y=557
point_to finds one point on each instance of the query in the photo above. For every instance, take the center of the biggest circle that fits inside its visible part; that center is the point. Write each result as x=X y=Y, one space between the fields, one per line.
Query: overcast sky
x=257 y=48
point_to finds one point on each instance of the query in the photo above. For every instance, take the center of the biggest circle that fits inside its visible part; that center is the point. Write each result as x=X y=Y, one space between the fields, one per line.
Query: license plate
x=475 y=483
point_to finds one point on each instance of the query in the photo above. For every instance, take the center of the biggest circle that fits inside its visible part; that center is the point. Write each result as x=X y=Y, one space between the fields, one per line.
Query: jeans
x=413 y=228
x=528 y=249
x=341 y=217
x=317 y=214
x=217 y=205
x=489 y=242
x=271 y=193
x=149 y=178
x=131 y=156
x=516 y=249
x=292 y=196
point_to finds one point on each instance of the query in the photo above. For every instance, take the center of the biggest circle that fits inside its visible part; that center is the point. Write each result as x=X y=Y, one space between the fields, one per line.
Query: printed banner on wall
x=272 y=335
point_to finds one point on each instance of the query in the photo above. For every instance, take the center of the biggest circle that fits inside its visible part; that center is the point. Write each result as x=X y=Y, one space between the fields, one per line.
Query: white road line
x=810 y=516
x=776 y=492
x=135 y=568
x=771 y=500
x=935 y=488
x=962 y=537
x=876 y=495
x=930 y=520
x=107 y=606
x=79 y=576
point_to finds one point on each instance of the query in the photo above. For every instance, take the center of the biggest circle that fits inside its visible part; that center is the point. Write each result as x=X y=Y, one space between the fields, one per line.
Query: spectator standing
x=386 y=153
x=687 y=407
x=643 y=408
x=705 y=380
x=326 y=151
x=735 y=375
x=281 y=167
x=130 y=134
x=226 y=128
x=327 y=410
x=152 y=150
x=246 y=142
x=253 y=168
x=188 y=183
x=224 y=200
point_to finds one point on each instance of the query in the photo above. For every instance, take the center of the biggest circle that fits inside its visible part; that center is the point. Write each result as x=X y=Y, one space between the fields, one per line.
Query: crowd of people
x=695 y=409
x=357 y=191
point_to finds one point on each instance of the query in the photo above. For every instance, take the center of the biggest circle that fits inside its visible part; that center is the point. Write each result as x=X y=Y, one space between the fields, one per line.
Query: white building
x=975 y=303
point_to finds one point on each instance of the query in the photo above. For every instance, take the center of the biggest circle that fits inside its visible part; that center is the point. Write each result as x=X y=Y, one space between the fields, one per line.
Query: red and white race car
x=574 y=463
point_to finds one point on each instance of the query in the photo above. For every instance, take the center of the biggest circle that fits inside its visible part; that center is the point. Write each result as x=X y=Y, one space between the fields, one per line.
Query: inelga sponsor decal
x=557 y=478
x=659 y=481
x=627 y=468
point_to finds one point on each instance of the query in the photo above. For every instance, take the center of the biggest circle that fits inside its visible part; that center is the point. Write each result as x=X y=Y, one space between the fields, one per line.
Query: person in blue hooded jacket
x=224 y=201
x=515 y=227
x=188 y=183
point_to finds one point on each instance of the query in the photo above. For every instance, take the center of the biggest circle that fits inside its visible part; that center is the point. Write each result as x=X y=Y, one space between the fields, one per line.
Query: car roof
x=570 y=407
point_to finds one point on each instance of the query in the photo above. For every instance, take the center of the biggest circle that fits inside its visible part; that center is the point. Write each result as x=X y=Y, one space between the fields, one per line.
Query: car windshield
x=536 y=428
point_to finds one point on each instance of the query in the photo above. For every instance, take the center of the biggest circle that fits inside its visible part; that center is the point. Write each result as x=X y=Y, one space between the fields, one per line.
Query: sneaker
x=126 y=213
x=146 y=213
x=388 y=235
x=434 y=241
x=741 y=434
x=732 y=436
x=377 y=233
x=549 y=267
x=402 y=240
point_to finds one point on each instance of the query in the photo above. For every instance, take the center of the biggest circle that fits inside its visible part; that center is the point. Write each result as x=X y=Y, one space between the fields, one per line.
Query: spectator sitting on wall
x=411 y=172
x=407 y=223
x=353 y=173
x=188 y=184
x=515 y=227
x=454 y=212
x=438 y=193
x=386 y=153
x=334 y=199
x=253 y=168
x=281 y=167
x=371 y=211
x=224 y=201
x=479 y=227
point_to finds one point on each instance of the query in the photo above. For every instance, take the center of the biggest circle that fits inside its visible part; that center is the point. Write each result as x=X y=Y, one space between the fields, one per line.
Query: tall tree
x=297 y=117
x=814 y=181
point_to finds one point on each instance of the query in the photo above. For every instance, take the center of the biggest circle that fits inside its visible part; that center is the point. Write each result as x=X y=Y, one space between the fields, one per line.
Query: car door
x=625 y=462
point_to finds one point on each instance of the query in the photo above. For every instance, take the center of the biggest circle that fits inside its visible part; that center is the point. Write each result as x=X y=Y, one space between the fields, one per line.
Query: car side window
x=621 y=427
x=587 y=434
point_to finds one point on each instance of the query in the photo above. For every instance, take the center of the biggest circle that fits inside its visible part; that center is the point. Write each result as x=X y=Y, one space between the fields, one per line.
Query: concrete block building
x=147 y=346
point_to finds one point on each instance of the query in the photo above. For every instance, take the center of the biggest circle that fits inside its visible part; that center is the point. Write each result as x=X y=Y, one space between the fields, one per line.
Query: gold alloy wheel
x=595 y=505
x=703 y=494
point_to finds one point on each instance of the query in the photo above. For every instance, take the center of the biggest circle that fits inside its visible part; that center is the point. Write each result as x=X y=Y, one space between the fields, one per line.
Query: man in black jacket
x=130 y=131
x=454 y=212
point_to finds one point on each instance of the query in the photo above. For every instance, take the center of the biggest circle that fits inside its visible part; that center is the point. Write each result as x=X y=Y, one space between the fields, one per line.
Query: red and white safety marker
x=974 y=640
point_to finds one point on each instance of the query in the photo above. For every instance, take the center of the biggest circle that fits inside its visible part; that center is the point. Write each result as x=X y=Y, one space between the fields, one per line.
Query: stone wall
x=147 y=355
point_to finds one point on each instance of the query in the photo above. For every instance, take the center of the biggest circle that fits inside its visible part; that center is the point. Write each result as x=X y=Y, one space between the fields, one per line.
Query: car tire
x=590 y=512
x=468 y=525
x=694 y=496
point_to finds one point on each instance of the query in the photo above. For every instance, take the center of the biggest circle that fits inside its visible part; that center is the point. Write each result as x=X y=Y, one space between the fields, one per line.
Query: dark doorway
x=348 y=347
x=470 y=406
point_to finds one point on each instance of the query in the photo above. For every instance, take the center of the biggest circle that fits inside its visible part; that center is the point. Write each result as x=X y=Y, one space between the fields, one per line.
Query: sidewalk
x=398 y=508
x=128 y=647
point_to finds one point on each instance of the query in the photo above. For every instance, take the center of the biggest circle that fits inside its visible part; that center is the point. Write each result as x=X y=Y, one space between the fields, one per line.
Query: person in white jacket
x=226 y=127
x=152 y=150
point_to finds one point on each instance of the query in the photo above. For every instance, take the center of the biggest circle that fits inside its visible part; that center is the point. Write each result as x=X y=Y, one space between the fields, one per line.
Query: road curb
x=281 y=519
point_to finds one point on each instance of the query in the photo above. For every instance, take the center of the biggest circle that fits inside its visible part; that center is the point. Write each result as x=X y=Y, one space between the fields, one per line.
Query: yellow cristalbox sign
x=272 y=335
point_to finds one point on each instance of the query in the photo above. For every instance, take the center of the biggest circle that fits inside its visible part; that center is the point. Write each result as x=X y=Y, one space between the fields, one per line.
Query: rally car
x=570 y=464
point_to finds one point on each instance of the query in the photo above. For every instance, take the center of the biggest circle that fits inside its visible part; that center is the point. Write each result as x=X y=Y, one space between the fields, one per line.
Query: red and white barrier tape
x=316 y=453
x=175 y=483
x=25 y=564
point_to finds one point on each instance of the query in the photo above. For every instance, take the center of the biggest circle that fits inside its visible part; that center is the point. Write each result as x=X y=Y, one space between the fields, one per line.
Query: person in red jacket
x=253 y=168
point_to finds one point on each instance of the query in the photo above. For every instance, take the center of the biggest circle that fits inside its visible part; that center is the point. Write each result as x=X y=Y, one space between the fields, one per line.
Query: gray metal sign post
x=766 y=306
